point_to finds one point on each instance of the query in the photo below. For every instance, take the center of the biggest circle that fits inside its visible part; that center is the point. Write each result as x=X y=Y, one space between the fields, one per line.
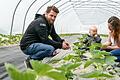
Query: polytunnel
x=75 y=15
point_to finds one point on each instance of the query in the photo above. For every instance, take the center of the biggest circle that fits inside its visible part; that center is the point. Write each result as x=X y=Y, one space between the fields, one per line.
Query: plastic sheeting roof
x=75 y=15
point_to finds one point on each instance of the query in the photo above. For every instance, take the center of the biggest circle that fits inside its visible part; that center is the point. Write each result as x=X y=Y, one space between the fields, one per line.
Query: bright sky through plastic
x=75 y=16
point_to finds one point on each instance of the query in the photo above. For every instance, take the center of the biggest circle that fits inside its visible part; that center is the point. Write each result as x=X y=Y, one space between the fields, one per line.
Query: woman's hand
x=113 y=47
x=105 y=45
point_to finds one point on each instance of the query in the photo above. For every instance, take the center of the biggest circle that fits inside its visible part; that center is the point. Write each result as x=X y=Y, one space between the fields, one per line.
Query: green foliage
x=110 y=60
x=102 y=64
x=15 y=74
x=40 y=68
x=103 y=57
x=67 y=69
x=100 y=60
x=76 y=49
x=80 y=42
x=9 y=39
x=95 y=46
x=88 y=62
x=72 y=58
x=47 y=70
x=82 y=37
x=56 y=75
x=69 y=57
x=62 y=35
x=103 y=35
x=96 y=74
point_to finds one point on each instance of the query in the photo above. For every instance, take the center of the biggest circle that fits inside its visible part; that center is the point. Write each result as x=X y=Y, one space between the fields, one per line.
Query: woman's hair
x=115 y=25
x=49 y=8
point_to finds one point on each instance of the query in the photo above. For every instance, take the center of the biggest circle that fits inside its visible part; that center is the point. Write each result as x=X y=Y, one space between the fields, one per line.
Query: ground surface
x=13 y=55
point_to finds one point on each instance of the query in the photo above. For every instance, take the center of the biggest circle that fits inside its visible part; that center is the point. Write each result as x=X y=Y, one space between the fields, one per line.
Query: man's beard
x=51 y=23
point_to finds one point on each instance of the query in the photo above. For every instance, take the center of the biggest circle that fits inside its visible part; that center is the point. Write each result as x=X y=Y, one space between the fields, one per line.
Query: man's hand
x=65 y=45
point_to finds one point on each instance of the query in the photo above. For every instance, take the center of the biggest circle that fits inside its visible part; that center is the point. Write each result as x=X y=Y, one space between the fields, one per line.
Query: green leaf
x=73 y=66
x=15 y=74
x=56 y=75
x=62 y=68
x=77 y=59
x=95 y=46
x=69 y=75
x=28 y=75
x=68 y=67
x=96 y=74
x=100 y=53
x=80 y=52
x=76 y=43
x=110 y=60
x=104 y=53
x=40 y=67
x=89 y=62
x=97 y=55
x=97 y=60
x=67 y=58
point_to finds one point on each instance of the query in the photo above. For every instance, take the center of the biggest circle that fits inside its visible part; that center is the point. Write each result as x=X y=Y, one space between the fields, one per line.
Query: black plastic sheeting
x=12 y=55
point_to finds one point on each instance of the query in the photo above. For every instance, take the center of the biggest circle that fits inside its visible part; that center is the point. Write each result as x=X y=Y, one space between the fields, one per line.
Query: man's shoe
x=27 y=63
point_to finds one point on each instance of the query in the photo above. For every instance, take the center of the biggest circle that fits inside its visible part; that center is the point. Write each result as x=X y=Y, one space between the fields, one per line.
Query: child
x=91 y=38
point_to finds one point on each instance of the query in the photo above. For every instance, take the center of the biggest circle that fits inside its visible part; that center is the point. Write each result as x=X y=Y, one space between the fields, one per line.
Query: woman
x=113 y=43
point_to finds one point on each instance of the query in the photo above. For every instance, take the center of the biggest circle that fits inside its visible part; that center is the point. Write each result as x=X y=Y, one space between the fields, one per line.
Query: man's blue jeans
x=116 y=53
x=38 y=51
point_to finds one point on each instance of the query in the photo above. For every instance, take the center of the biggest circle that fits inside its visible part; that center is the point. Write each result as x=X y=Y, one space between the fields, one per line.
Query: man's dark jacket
x=38 y=32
